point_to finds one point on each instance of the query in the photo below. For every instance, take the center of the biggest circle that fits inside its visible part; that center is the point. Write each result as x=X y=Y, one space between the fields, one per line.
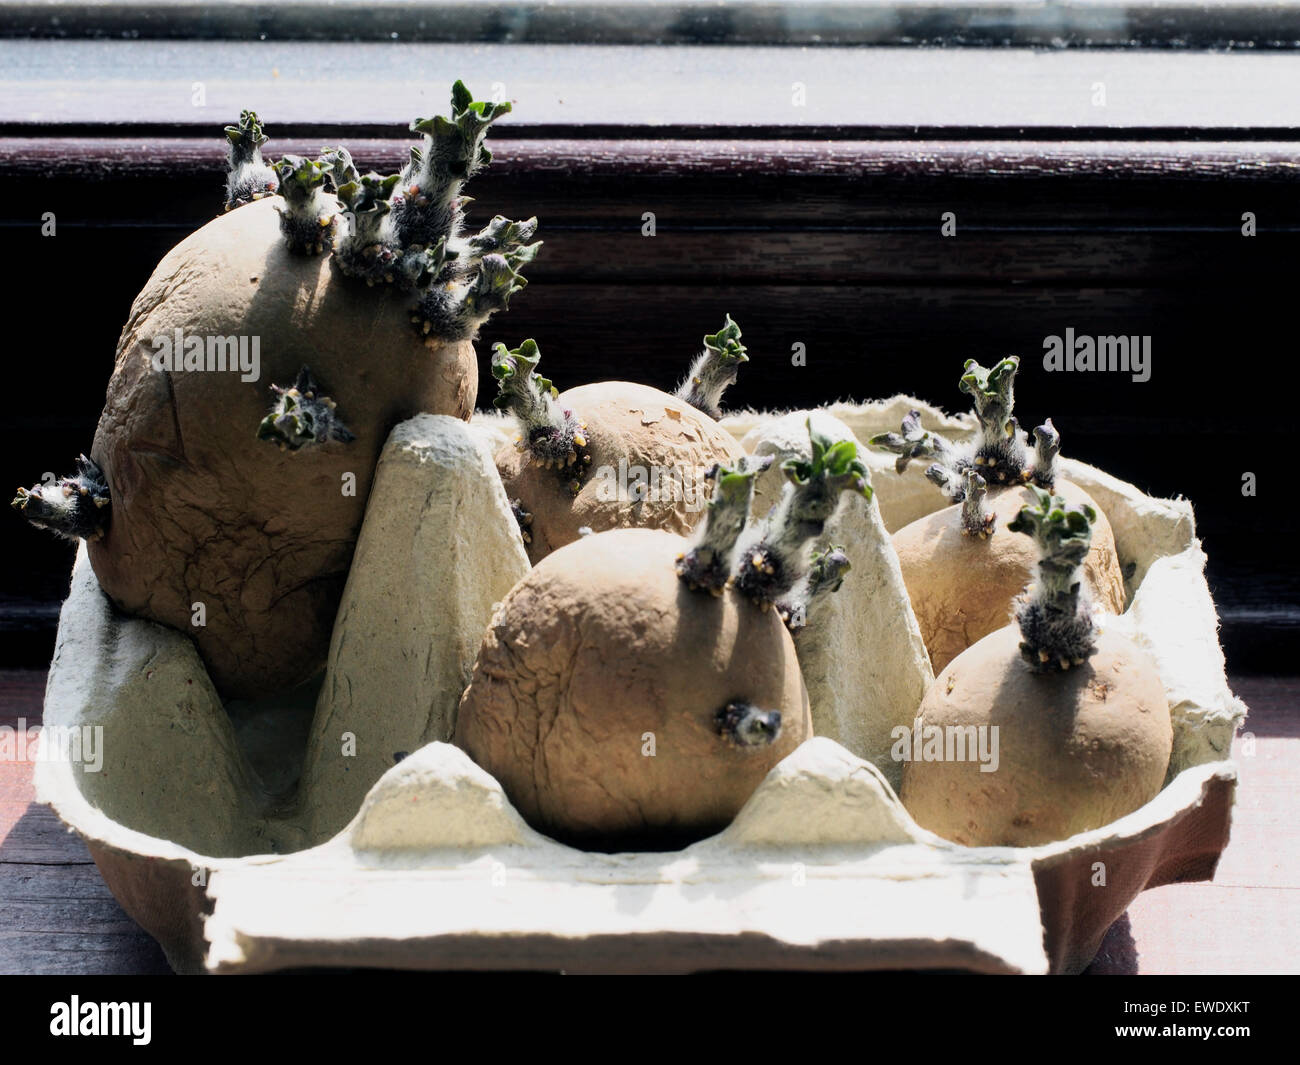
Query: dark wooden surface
x=56 y=915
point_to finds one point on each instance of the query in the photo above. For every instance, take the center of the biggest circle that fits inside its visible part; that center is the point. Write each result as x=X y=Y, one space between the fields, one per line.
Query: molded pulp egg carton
x=239 y=838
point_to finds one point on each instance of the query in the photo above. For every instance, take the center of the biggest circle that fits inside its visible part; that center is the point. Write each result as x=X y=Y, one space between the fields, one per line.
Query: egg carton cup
x=248 y=837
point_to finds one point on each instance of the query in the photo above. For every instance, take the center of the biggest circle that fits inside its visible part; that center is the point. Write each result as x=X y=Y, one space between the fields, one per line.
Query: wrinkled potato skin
x=205 y=512
x=616 y=413
x=962 y=588
x=1077 y=749
x=596 y=647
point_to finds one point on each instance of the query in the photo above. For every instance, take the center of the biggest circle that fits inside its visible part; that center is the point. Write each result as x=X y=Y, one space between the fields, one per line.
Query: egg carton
x=246 y=837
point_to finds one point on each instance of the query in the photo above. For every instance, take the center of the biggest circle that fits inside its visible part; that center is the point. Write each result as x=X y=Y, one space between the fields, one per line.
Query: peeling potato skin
x=601 y=644
x=624 y=421
x=1077 y=749
x=203 y=511
x=962 y=588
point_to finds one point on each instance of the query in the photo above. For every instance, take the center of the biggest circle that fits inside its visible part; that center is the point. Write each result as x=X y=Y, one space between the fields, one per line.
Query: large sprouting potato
x=257 y=378
x=206 y=513
x=619 y=708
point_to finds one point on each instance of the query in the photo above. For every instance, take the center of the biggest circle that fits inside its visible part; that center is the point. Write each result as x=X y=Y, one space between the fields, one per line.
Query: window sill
x=311 y=89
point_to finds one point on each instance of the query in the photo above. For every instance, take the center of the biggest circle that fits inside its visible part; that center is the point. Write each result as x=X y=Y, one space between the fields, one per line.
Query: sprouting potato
x=261 y=369
x=612 y=454
x=618 y=708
